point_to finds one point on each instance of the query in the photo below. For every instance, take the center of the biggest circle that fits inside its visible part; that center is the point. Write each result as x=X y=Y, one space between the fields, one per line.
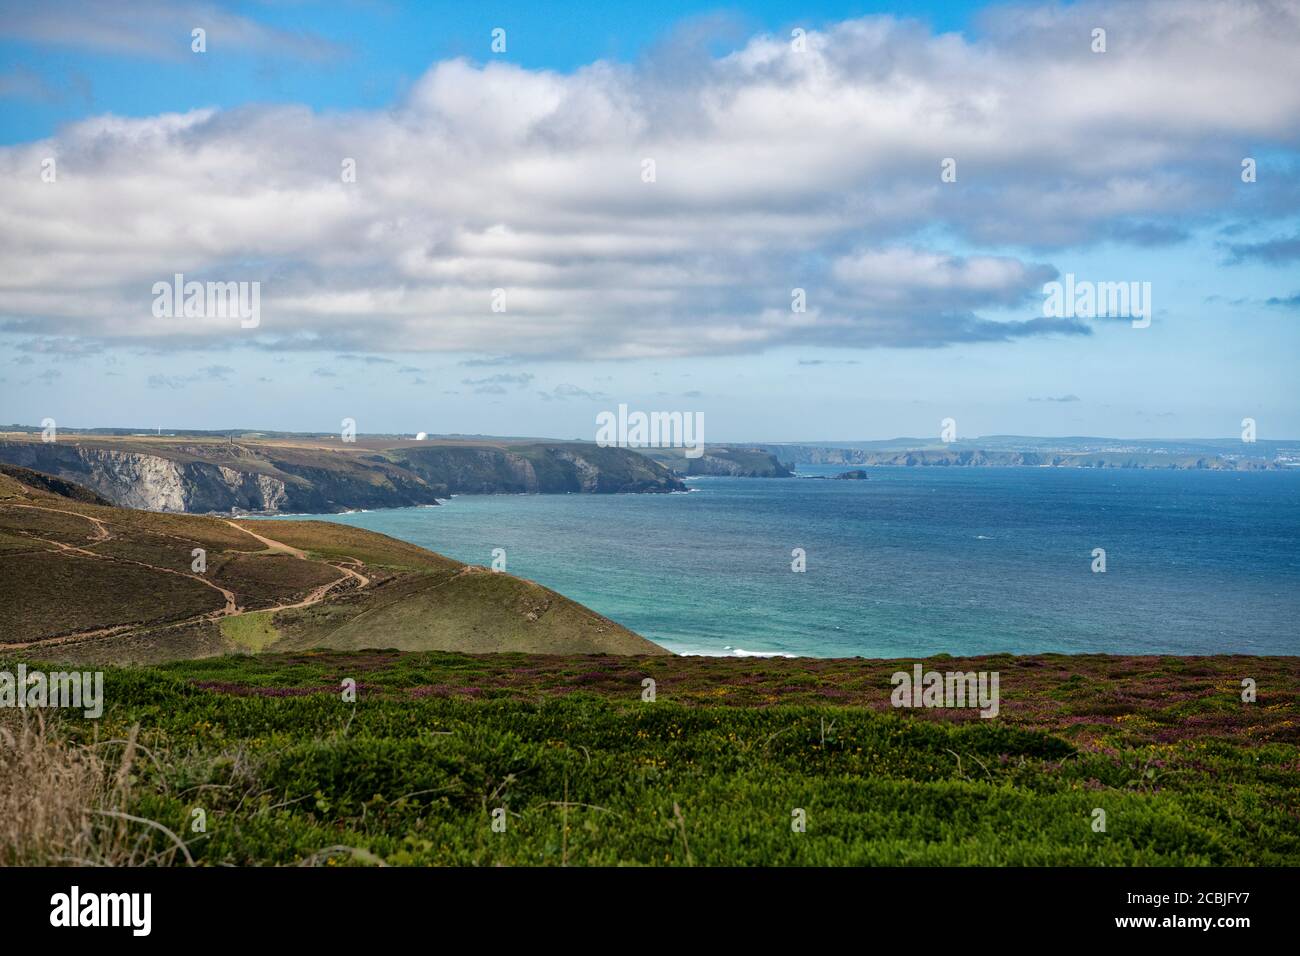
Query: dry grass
x=65 y=803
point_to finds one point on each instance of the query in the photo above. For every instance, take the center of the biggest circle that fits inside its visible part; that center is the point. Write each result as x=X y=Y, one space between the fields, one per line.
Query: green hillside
x=584 y=771
x=99 y=583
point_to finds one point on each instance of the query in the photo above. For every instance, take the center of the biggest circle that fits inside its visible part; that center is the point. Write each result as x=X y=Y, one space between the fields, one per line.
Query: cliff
x=720 y=460
x=214 y=475
x=533 y=469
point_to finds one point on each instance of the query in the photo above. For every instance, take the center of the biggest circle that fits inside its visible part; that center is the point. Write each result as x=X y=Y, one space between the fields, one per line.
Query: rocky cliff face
x=534 y=469
x=738 y=464
x=219 y=477
x=469 y=471
x=585 y=473
x=152 y=482
x=721 y=460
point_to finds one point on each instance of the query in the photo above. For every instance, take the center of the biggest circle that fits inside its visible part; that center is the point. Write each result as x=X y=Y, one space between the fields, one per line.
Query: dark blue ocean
x=910 y=562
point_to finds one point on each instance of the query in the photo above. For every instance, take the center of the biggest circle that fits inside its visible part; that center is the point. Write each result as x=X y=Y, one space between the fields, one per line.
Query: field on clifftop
x=285 y=770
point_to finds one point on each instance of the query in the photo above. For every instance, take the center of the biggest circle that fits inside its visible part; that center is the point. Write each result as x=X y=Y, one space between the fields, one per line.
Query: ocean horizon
x=910 y=562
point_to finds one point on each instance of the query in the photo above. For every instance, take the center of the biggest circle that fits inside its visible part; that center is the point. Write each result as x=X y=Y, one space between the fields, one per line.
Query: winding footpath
x=231 y=609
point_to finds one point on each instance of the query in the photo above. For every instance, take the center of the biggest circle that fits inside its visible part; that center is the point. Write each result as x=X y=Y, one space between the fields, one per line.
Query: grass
x=67 y=805
x=270 y=579
x=254 y=632
x=287 y=771
x=1091 y=700
x=333 y=541
x=469 y=610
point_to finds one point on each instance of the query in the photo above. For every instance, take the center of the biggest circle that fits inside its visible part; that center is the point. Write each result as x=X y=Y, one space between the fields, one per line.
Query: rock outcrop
x=721 y=461
x=262 y=476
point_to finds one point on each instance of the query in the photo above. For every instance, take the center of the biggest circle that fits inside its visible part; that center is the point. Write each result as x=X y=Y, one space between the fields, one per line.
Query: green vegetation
x=288 y=771
x=253 y=632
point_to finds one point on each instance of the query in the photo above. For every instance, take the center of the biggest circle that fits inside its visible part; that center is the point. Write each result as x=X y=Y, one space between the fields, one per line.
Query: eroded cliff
x=221 y=476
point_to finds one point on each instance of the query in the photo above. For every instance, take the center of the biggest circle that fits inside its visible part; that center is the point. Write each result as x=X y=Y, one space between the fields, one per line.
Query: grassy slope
x=591 y=774
x=131 y=571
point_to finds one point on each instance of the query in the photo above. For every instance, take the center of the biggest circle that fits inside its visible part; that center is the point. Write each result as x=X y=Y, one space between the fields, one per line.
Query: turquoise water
x=911 y=562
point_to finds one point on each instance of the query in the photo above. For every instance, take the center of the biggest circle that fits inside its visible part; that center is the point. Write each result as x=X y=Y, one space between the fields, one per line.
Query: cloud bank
x=507 y=211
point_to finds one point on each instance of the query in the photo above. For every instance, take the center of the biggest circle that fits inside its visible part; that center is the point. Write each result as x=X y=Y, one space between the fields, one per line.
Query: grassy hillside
x=285 y=770
x=90 y=582
x=43 y=482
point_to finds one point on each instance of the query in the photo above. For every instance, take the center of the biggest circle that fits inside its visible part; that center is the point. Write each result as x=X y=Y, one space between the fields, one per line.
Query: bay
x=911 y=561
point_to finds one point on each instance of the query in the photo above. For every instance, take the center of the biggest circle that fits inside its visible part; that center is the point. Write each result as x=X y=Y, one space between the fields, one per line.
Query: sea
x=910 y=562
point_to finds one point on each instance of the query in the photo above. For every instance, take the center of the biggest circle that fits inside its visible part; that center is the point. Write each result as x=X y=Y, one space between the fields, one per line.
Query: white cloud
x=775 y=170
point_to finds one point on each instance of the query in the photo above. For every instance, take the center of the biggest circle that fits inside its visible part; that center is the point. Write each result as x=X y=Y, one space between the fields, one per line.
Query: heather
x=586 y=772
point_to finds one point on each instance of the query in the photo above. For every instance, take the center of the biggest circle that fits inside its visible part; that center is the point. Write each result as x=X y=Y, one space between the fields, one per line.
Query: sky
x=819 y=221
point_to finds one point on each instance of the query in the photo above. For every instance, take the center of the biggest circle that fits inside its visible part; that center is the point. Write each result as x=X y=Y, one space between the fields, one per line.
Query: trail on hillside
x=271 y=542
x=101 y=531
x=228 y=610
x=318 y=594
x=467 y=569
x=231 y=608
x=343 y=566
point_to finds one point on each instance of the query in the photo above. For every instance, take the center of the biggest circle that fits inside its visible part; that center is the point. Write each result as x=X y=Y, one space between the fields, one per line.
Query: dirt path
x=342 y=565
x=315 y=597
x=231 y=609
x=272 y=543
x=101 y=530
x=76 y=638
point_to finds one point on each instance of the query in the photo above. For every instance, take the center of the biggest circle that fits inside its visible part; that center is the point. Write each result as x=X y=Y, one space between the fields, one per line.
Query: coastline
x=933 y=561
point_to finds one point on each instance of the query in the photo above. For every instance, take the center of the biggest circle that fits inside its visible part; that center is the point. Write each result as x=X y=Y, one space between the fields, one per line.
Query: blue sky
x=775 y=169
x=380 y=49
